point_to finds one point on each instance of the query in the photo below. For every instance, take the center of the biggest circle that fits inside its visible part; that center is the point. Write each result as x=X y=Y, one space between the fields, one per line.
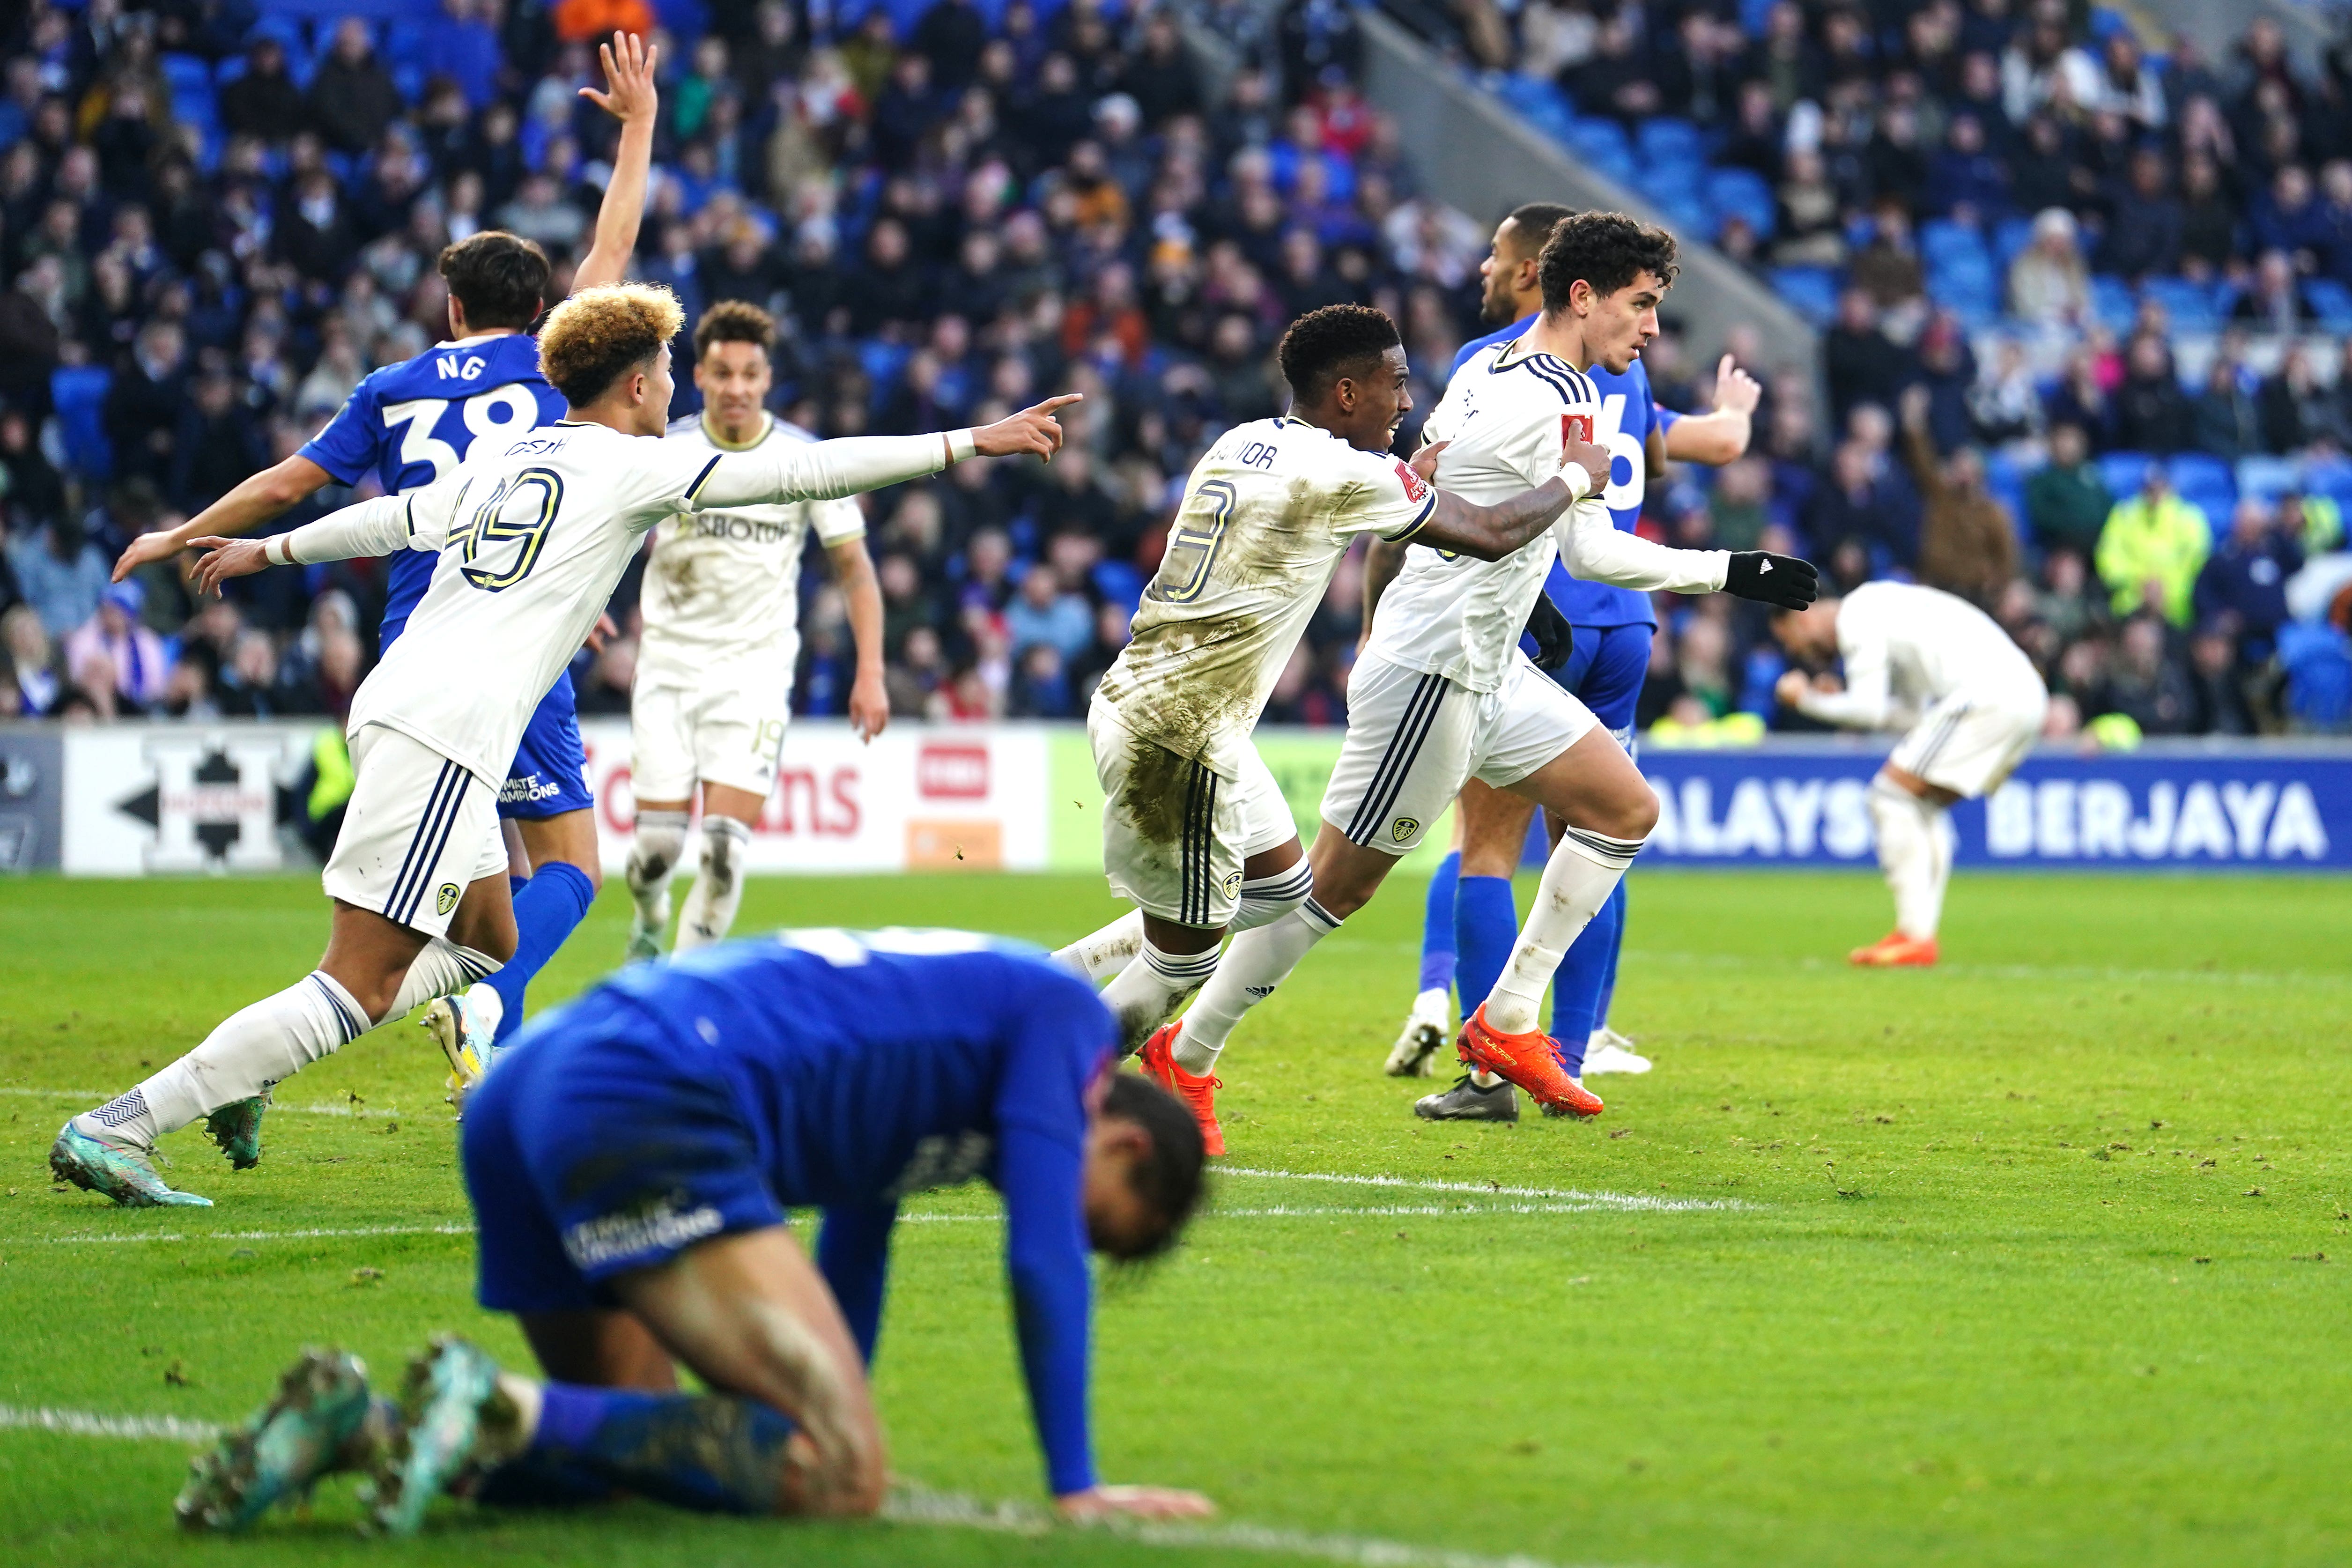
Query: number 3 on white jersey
x=509 y=408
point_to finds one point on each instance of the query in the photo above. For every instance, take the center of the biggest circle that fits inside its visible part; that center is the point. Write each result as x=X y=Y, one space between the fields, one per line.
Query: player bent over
x=532 y=535
x=1440 y=693
x=721 y=607
x=630 y=1164
x=1975 y=704
x=1195 y=831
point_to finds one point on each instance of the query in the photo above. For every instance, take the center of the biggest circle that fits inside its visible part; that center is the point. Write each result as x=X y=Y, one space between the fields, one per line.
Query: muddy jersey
x=723 y=583
x=1266 y=515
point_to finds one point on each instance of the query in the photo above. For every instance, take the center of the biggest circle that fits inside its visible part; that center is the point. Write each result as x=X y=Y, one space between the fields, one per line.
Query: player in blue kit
x=631 y=1161
x=1470 y=921
x=411 y=423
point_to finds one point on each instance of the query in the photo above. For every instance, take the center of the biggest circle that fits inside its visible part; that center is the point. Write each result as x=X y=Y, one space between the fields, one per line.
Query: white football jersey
x=723 y=583
x=533 y=535
x=1508 y=413
x=1906 y=647
x=1267 y=513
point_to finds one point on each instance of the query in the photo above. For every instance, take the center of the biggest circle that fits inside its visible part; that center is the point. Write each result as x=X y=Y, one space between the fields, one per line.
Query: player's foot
x=454 y=1420
x=1608 y=1051
x=1466 y=1102
x=237 y=1128
x=644 y=942
x=1414 y=1054
x=458 y=1027
x=1530 y=1059
x=305 y=1431
x=112 y=1171
x=1896 y=951
x=1199 y=1093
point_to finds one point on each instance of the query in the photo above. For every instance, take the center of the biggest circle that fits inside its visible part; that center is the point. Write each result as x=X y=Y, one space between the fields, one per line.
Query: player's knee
x=1638 y=814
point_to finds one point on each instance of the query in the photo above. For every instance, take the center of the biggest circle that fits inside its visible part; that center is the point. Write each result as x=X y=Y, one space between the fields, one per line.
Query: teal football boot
x=237 y=1128
x=123 y=1175
x=313 y=1427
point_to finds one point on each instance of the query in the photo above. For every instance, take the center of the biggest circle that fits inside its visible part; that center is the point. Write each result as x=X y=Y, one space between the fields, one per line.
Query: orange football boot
x=1530 y=1060
x=1198 y=1093
x=1896 y=951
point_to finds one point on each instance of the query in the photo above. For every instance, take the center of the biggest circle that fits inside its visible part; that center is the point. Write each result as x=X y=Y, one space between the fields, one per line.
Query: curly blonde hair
x=596 y=336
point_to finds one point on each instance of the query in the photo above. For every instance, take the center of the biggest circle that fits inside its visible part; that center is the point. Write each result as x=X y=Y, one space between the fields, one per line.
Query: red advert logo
x=1576 y=424
x=946 y=772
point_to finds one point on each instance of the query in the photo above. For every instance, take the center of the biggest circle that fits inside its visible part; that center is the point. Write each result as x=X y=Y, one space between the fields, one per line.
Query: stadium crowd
x=213 y=222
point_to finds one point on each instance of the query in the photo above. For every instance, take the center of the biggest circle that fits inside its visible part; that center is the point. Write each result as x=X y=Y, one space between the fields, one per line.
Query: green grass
x=2021 y=1274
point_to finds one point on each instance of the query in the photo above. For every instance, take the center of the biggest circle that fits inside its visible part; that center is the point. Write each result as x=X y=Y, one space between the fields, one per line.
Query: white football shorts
x=723 y=731
x=1413 y=739
x=417 y=831
x=1175 y=834
x=1971 y=744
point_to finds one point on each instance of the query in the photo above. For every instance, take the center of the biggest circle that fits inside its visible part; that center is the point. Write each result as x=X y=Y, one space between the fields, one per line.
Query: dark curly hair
x=734 y=321
x=499 y=277
x=1608 y=250
x=1323 y=346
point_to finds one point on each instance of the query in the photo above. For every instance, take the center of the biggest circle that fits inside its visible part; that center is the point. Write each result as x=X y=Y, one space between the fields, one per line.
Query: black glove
x=1781 y=580
x=1555 y=639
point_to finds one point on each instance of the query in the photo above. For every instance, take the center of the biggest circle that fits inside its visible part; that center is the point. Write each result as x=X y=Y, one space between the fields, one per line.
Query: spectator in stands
x=2244 y=582
x=142 y=408
x=2296 y=409
x=32 y=660
x=2208 y=220
x=2047 y=283
x=2274 y=302
x=2225 y=420
x=1042 y=611
x=263 y=102
x=60 y=571
x=2152 y=548
x=2147 y=685
x=2152 y=414
x=2217 y=685
x=1968 y=543
x=352 y=97
x=141 y=665
x=1863 y=364
x=2144 y=224
x=2067 y=500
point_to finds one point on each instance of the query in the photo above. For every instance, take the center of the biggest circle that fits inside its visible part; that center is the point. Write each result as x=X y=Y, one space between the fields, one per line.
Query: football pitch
x=2039 y=1258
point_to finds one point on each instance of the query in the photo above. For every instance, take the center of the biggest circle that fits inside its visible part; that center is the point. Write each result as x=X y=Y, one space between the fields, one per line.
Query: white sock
x=661 y=839
x=254 y=1048
x=1150 y=988
x=718 y=886
x=441 y=969
x=1265 y=899
x=1915 y=851
x=1583 y=870
x=1257 y=962
x=1098 y=955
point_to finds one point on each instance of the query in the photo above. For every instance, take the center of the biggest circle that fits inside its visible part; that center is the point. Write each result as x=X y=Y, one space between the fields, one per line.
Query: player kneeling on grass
x=630 y=1162
x=1976 y=705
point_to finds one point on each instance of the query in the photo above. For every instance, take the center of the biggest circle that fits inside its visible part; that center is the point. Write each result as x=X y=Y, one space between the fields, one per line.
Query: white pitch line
x=1490 y=1189
x=908 y=1505
x=94 y=1096
x=87 y=1239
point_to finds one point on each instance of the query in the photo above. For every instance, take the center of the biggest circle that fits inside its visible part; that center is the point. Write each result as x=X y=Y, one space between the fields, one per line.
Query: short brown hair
x=1608 y=250
x=734 y=321
x=596 y=336
x=499 y=279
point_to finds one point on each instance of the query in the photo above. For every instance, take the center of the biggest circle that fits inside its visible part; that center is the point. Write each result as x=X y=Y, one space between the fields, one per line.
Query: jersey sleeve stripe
x=1410 y=529
x=702 y=478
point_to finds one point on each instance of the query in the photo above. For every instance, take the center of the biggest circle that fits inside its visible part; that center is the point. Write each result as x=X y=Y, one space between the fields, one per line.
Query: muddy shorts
x=1174 y=833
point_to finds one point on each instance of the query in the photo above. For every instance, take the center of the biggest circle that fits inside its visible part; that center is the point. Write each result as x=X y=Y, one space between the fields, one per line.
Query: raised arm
x=1722 y=436
x=827 y=470
x=629 y=97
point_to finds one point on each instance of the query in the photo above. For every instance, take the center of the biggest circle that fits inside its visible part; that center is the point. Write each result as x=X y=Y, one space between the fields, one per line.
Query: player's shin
x=547 y=909
x=1577 y=985
x=1152 y=987
x=719 y=885
x=1583 y=870
x=1438 y=942
x=1914 y=854
x=1099 y=954
x=661 y=839
x=1257 y=962
x=712 y=1453
x=1265 y=899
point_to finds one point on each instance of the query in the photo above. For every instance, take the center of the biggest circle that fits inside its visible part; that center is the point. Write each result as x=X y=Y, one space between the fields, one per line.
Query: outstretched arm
x=828 y=470
x=1594 y=549
x=255 y=500
x=630 y=97
x=417 y=521
x=1722 y=436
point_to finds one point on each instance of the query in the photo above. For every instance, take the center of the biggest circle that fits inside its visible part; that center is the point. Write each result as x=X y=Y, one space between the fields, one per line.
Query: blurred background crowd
x=2020 y=233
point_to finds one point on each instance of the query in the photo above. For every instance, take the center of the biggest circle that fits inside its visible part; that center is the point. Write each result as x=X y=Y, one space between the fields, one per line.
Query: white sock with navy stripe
x=1578 y=879
x=1150 y=988
x=1265 y=899
x=717 y=890
x=1098 y=955
x=443 y=969
x=1915 y=851
x=273 y=1039
x=1257 y=962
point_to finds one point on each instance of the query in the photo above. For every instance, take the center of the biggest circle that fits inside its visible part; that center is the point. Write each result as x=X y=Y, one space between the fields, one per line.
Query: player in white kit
x=1195 y=830
x=721 y=608
x=1440 y=693
x=1973 y=705
x=532 y=534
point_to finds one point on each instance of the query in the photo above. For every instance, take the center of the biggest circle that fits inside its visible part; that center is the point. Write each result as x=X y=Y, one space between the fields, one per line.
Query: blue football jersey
x=410 y=423
x=1628 y=411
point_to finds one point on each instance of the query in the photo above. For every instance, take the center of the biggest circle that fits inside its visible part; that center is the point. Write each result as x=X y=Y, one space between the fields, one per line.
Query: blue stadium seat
x=1743 y=192
x=2206 y=482
x=2318 y=660
x=2113 y=302
x=2268 y=478
x=1592 y=136
x=2188 y=304
x=2124 y=471
x=1668 y=139
x=2009 y=236
x=78 y=393
x=2332 y=303
x=2332 y=478
x=1942 y=240
x=1119 y=582
x=185 y=72
x=1810 y=291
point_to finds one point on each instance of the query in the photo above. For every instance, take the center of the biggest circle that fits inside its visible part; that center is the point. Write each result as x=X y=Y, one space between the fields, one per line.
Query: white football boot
x=1429 y=1025
x=1609 y=1051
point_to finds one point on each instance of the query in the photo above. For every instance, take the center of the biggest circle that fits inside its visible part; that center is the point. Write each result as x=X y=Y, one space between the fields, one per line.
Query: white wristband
x=270 y=548
x=961 y=444
x=1579 y=483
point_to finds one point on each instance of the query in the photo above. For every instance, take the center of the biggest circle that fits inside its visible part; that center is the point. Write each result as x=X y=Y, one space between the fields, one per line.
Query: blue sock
x=547 y=908
x=1485 y=925
x=1437 y=926
x=1576 y=984
x=1616 y=946
x=712 y=1453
